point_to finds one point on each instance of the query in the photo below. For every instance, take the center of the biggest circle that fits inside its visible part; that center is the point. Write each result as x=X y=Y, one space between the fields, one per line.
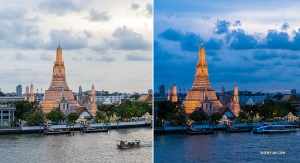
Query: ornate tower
x=31 y=99
x=80 y=93
x=223 y=93
x=174 y=94
x=52 y=96
x=93 y=106
x=236 y=106
x=201 y=84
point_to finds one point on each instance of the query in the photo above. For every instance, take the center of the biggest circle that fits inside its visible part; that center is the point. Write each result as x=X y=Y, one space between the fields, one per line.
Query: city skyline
x=251 y=44
x=101 y=45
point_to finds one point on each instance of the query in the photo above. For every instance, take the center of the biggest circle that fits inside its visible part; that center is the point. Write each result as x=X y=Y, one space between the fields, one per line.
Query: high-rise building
x=162 y=92
x=58 y=89
x=19 y=90
x=202 y=92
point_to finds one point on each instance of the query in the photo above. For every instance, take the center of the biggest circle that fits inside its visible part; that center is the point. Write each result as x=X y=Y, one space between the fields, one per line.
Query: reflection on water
x=91 y=147
x=230 y=147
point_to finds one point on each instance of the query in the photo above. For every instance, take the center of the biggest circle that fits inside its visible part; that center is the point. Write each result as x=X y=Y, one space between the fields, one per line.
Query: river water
x=227 y=147
x=90 y=147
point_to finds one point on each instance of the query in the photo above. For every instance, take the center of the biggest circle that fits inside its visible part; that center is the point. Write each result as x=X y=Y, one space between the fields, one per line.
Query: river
x=90 y=147
x=227 y=147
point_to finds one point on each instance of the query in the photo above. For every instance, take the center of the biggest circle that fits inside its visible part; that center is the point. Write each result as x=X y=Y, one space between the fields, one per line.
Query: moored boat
x=130 y=144
x=196 y=131
x=89 y=130
x=238 y=129
x=50 y=131
x=275 y=129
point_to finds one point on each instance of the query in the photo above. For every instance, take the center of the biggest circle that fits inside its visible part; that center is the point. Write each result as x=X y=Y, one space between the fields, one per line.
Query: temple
x=201 y=95
x=59 y=96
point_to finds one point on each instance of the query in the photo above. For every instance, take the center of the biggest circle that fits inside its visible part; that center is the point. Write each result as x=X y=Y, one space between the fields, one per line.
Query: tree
x=34 y=116
x=215 y=117
x=198 y=116
x=55 y=116
x=99 y=116
x=2 y=94
x=135 y=96
x=242 y=116
x=72 y=117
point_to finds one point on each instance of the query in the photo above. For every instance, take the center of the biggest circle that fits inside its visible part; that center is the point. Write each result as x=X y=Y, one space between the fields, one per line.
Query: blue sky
x=254 y=44
x=105 y=43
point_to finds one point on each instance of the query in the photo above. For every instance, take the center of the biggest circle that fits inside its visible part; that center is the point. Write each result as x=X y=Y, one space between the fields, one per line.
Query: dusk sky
x=253 y=43
x=105 y=43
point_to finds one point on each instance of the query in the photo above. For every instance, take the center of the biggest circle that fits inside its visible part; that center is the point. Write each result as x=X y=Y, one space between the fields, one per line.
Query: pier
x=76 y=127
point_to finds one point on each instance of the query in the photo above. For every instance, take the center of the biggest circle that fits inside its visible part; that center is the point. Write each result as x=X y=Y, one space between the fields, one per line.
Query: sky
x=105 y=43
x=254 y=44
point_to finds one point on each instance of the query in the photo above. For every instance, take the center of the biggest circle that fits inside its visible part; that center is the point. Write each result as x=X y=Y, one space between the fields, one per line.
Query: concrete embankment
x=77 y=127
x=219 y=127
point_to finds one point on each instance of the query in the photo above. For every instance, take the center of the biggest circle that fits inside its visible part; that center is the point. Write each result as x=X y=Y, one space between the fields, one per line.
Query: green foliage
x=72 y=117
x=135 y=96
x=55 y=116
x=2 y=94
x=242 y=116
x=34 y=116
x=99 y=116
x=22 y=107
x=198 y=116
x=177 y=117
x=276 y=109
x=215 y=117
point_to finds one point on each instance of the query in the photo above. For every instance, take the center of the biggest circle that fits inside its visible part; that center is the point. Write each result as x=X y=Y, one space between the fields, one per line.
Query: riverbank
x=219 y=127
x=77 y=127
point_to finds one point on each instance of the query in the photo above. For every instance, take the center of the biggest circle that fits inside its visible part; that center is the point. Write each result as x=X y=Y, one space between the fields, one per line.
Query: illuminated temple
x=202 y=95
x=58 y=95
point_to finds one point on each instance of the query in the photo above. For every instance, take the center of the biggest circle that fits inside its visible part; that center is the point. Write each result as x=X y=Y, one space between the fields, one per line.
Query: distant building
x=162 y=90
x=150 y=91
x=19 y=90
x=7 y=113
x=293 y=91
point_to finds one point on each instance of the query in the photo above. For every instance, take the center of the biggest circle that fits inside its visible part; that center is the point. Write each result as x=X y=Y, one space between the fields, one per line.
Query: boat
x=275 y=129
x=235 y=129
x=91 y=129
x=51 y=131
x=130 y=144
x=196 y=131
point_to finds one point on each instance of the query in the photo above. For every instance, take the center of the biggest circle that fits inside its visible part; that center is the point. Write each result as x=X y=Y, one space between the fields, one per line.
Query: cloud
x=66 y=38
x=106 y=58
x=221 y=27
x=98 y=16
x=60 y=7
x=88 y=33
x=214 y=44
x=191 y=42
x=237 y=23
x=20 y=56
x=149 y=9
x=160 y=53
x=88 y=58
x=127 y=39
x=285 y=26
x=13 y=13
x=17 y=30
x=264 y=55
x=137 y=57
x=172 y=34
x=76 y=59
x=135 y=6
x=45 y=56
x=240 y=40
x=100 y=48
x=205 y=18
